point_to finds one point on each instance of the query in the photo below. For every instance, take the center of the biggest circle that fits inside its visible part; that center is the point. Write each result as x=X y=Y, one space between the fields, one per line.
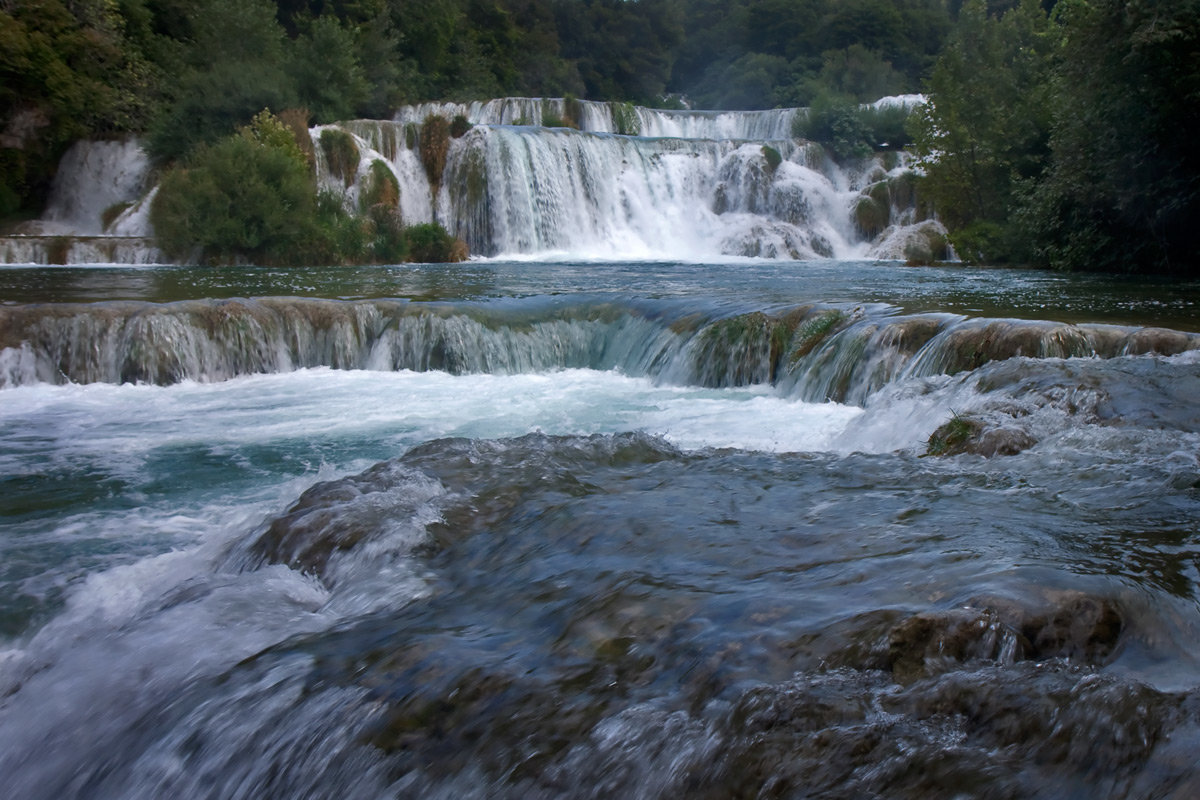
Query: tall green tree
x=983 y=138
x=236 y=65
x=1123 y=191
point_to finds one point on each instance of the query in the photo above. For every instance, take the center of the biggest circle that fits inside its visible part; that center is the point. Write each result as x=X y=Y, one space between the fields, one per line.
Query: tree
x=248 y=197
x=1123 y=192
x=983 y=138
x=236 y=66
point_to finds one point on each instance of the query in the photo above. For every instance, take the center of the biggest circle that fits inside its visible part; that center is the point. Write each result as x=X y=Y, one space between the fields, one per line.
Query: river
x=583 y=529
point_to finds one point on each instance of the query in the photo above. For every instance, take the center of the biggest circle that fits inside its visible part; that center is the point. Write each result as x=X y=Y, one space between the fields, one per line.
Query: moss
x=435 y=144
x=112 y=212
x=881 y=193
x=382 y=188
x=625 y=119
x=953 y=437
x=459 y=126
x=747 y=348
x=812 y=332
x=412 y=136
x=773 y=157
x=341 y=154
x=870 y=216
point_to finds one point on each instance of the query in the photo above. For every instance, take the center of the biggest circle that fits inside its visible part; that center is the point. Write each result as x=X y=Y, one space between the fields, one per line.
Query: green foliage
x=625 y=119
x=985 y=132
x=67 y=70
x=296 y=121
x=430 y=244
x=850 y=130
x=388 y=242
x=1122 y=192
x=235 y=67
x=341 y=154
x=234 y=201
x=270 y=131
x=459 y=126
x=250 y=198
x=325 y=66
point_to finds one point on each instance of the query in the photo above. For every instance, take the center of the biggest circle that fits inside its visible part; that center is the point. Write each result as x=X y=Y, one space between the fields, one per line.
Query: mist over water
x=568 y=529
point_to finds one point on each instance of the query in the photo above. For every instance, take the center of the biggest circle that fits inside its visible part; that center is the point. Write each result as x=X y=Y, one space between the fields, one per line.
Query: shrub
x=435 y=144
x=459 y=126
x=341 y=154
x=237 y=200
x=388 y=239
x=429 y=243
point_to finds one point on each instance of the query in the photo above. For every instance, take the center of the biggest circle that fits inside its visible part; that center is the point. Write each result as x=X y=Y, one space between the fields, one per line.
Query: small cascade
x=611 y=117
x=813 y=352
x=96 y=182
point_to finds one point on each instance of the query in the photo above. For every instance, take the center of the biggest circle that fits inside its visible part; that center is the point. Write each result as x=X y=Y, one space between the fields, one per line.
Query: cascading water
x=693 y=184
x=631 y=182
x=641 y=529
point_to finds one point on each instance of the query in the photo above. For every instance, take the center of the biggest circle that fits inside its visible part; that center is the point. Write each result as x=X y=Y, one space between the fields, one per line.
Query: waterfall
x=624 y=183
x=96 y=180
x=814 y=352
x=704 y=185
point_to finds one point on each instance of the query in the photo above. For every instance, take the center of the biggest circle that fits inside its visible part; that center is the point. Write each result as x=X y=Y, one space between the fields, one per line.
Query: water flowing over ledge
x=631 y=182
x=815 y=352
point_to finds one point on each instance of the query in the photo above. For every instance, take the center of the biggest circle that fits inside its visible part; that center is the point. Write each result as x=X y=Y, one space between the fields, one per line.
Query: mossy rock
x=382 y=188
x=110 y=214
x=812 y=332
x=928 y=245
x=434 y=146
x=881 y=193
x=953 y=436
x=625 y=119
x=341 y=154
x=870 y=216
x=773 y=157
x=412 y=136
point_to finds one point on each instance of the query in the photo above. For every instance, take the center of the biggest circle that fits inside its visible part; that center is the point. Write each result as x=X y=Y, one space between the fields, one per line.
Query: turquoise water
x=645 y=529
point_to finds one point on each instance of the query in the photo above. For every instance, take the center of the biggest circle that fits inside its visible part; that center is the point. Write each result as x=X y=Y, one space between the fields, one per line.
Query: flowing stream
x=591 y=529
